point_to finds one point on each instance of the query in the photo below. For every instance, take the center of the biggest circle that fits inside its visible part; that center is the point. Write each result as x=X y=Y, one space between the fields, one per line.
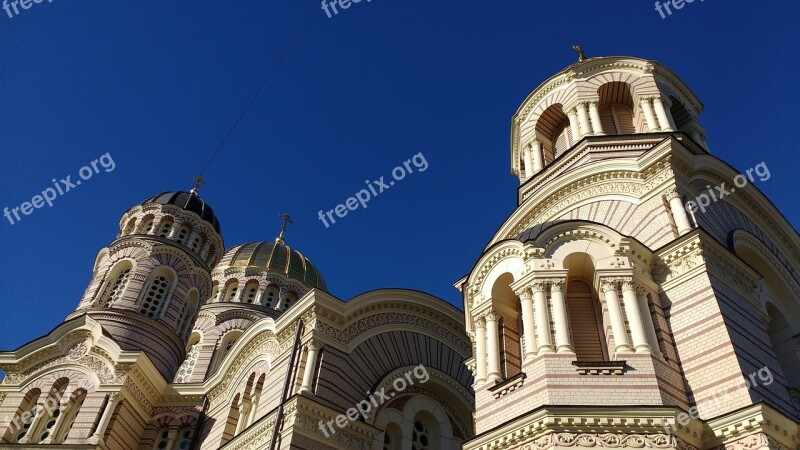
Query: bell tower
x=148 y=284
x=606 y=310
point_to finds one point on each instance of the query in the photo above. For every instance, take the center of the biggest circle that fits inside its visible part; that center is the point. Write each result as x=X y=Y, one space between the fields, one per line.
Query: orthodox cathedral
x=603 y=313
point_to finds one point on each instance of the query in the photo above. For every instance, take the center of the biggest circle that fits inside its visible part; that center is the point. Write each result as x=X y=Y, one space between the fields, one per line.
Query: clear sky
x=157 y=85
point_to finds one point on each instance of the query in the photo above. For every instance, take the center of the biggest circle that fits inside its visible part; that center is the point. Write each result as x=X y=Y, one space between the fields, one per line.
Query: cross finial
x=579 y=50
x=286 y=220
x=198 y=181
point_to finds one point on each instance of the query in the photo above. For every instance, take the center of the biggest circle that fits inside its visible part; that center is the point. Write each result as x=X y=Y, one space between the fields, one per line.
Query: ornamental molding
x=74 y=349
x=604 y=440
x=678 y=261
x=511 y=250
x=630 y=183
x=263 y=343
x=760 y=215
x=755 y=442
x=410 y=320
x=2 y=397
x=746 y=238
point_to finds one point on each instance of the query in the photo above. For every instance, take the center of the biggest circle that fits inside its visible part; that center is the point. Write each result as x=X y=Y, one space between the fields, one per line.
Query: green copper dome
x=274 y=257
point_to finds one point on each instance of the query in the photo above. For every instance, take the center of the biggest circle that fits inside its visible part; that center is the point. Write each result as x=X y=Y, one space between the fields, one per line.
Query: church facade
x=612 y=309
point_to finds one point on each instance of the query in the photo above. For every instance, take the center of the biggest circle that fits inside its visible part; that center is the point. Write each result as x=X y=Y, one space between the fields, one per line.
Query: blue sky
x=158 y=84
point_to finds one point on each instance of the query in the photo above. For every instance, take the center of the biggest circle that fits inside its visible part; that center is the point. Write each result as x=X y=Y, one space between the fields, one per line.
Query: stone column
x=493 y=336
x=594 y=114
x=634 y=316
x=664 y=117
x=480 y=350
x=542 y=318
x=529 y=332
x=538 y=163
x=678 y=211
x=647 y=320
x=528 y=158
x=563 y=340
x=647 y=108
x=171 y=436
x=253 y=409
x=609 y=288
x=40 y=414
x=308 y=372
x=113 y=399
x=244 y=413
x=583 y=118
x=62 y=412
x=573 y=125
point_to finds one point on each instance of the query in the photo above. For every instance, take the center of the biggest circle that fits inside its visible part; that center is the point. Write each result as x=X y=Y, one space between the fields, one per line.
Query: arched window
x=616 y=108
x=116 y=284
x=187 y=313
x=289 y=299
x=187 y=367
x=392 y=437
x=583 y=309
x=226 y=345
x=184 y=438
x=24 y=416
x=585 y=322
x=166 y=227
x=129 y=227
x=271 y=295
x=63 y=428
x=163 y=440
x=553 y=132
x=231 y=291
x=508 y=305
x=425 y=434
x=147 y=224
x=195 y=243
x=156 y=295
x=214 y=293
x=183 y=235
x=233 y=421
x=785 y=346
x=250 y=292
x=50 y=411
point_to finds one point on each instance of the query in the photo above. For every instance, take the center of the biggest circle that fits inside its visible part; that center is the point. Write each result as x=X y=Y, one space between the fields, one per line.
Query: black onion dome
x=275 y=257
x=187 y=201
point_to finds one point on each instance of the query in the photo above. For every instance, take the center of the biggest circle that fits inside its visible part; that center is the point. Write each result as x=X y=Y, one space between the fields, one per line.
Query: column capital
x=557 y=285
x=608 y=284
x=312 y=345
x=538 y=286
x=525 y=294
x=627 y=284
x=491 y=316
x=479 y=321
x=672 y=192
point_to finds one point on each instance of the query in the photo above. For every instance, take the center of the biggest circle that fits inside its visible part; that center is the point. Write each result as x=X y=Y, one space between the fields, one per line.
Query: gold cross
x=286 y=220
x=198 y=181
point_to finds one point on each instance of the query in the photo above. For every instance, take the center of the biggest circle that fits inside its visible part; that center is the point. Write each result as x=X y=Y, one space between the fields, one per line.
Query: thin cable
x=260 y=88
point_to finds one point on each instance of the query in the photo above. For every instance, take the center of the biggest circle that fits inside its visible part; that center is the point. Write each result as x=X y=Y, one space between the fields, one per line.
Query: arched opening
x=226 y=345
x=231 y=291
x=182 y=236
x=165 y=229
x=509 y=307
x=780 y=303
x=189 y=309
x=214 y=293
x=158 y=292
x=232 y=422
x=250 y=292
x=61 y=433
x=683 y=119
x=129 y=227
x=24 y=416
x=425 y=434
x=616 y=108
x=115 y=286
x=392 y=437
x=271 y=295
x=583 y=309
x=147 y=224
x=186 y=369
x=50 y=411
x=289 y=299
x=553 y=132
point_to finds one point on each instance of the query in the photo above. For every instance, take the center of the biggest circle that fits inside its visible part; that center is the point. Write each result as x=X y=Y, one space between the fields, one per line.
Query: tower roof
x=188 y=201
x=274 y=257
